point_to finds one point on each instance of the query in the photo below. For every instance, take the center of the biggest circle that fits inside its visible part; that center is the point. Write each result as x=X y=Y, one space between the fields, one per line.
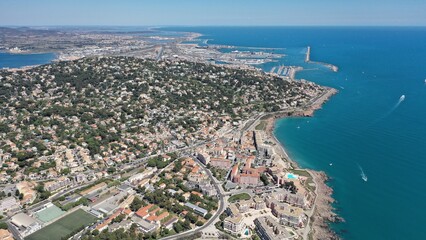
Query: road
x=160 y=54
x=13 y=230
x=249 y=124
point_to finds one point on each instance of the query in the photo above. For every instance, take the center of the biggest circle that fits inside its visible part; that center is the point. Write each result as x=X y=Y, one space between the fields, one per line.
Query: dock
x=285 y=71
x=280 y=70
x=332 y=67
x=308 y=55
x=292 y=72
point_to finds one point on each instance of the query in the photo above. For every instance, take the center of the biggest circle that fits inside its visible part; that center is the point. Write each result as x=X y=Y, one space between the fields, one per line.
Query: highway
x=160 y=54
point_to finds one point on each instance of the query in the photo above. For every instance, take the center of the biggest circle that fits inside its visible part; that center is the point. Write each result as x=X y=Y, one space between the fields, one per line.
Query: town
x=72 y=44
x=151 y=149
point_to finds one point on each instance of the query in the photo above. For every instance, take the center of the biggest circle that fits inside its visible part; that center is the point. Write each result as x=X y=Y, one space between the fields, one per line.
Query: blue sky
x=213 y=12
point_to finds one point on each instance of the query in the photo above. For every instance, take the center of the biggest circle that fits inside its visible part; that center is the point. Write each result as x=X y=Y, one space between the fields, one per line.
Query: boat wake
x=401 y=99
x=363 y=175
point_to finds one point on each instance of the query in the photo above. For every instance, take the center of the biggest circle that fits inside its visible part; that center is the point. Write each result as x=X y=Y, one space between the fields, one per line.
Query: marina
x=286 y=71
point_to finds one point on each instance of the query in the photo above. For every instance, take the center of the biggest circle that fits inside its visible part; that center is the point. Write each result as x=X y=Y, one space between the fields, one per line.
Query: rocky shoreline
x=323 y=211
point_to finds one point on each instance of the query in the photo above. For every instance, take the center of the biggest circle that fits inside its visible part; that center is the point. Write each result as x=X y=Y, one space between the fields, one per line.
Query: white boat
x=402 y=98
x=364 y=177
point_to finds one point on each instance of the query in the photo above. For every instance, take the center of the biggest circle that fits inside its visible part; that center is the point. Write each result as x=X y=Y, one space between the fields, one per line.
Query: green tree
x=178 y=227
x=111 y=170
x=191 y=217
x=136 y=204
x=264 y=179
x=66 y=171
x=195 y=198
x=208 y=216
x=3 y=225
x=178 y=166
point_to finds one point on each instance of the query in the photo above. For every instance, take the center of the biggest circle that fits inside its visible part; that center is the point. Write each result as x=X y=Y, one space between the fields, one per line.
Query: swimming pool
x=291 y=176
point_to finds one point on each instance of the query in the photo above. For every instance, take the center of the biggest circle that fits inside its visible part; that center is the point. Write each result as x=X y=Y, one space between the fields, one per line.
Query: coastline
x=28 y=67
x=322 y=211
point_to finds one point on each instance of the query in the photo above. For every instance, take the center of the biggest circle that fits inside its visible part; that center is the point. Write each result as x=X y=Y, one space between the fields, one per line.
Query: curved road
x=212 y=219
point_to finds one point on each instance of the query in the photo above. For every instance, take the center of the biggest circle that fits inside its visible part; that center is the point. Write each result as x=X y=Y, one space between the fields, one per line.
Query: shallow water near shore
x=362 y=127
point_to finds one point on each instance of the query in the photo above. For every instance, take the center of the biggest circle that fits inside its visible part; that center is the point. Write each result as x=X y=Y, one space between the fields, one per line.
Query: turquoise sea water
x=8 y=60
x=363 y=128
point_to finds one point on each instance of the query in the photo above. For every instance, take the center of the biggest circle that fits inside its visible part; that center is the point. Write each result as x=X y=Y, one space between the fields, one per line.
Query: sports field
x=64 y=226
x=50 y=213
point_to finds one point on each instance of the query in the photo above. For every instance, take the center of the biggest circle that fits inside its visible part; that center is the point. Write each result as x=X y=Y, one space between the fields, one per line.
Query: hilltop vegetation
x=123 y=108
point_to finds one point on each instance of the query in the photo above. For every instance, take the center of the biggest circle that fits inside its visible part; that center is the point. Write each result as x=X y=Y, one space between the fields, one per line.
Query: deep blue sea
x=9 y=60
x=365 y=126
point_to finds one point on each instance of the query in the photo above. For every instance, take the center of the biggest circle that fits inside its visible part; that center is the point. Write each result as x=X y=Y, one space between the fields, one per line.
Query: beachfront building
x=288 y=215
x=292 y=216
x=269 y=229
x=301 y=199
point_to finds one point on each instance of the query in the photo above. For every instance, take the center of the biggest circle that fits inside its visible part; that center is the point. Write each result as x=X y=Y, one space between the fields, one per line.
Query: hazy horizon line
x=182 y=25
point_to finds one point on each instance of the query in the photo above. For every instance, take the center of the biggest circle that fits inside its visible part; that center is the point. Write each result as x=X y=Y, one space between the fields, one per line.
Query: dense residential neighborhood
x=151 y=149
